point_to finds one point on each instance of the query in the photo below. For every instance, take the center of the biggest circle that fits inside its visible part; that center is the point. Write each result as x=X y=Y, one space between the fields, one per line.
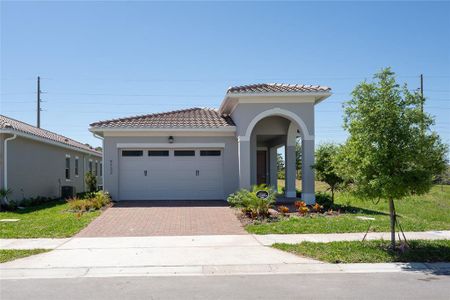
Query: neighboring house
x=35 y=162
x=202 y=153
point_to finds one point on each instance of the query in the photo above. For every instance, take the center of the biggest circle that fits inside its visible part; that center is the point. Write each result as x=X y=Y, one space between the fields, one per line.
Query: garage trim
x=168 y=145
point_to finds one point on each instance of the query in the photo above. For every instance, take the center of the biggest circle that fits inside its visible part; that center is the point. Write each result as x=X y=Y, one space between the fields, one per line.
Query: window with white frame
x=96 y=168
x=67 y=167
x=76 y=167
x=101 y=169
x=90 y=166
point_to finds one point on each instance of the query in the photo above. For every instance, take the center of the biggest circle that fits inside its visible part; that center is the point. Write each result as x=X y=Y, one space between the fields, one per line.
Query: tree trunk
x=392 y=217
x=332 y=195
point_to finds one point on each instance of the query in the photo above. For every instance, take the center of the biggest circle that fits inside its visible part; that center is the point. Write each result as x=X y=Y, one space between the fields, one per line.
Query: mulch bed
x=245 y=219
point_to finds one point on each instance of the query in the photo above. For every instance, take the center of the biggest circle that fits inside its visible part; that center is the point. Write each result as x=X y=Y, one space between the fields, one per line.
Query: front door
x=261 y=167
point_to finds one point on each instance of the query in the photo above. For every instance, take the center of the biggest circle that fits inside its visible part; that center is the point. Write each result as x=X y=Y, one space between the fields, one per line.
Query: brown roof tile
x=7 y=123
x=186 y=118
x=278 y=88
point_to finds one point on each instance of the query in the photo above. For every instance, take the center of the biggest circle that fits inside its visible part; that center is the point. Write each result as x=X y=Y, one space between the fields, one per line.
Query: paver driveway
x=150 y=218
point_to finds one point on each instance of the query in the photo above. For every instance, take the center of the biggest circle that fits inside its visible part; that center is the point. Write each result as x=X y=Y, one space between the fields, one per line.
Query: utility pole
x=421 y=91
x=422 y=100
x=38 y=125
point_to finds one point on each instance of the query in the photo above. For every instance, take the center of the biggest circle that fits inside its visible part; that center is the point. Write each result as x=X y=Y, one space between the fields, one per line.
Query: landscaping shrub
x=85 y=195
x=239 y=198
x=252 y=204
x=324 y=200
x=27 y=202
x=91 y=182
x=4 y=202
x=283 y=209
x=95 y=202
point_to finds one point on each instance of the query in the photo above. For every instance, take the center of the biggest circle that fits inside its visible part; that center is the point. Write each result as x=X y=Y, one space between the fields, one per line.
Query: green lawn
x=320 y=186
x=416 y=213
x=371 y=251
x=49 y=220
x=8 y=255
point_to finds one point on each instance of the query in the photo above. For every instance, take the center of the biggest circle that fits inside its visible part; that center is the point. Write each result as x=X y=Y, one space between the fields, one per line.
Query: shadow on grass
x=358 y=210
x=426 y=252
x=33 y=208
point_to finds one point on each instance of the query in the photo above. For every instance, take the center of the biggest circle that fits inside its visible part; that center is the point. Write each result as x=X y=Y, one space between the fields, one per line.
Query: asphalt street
x=402 y=285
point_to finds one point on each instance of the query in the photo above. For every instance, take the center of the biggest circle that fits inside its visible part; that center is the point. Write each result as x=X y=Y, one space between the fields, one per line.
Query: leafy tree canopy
x=325 y=167
x=391 y=151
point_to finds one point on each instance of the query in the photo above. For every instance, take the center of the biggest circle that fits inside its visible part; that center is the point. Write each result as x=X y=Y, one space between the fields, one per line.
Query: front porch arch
x=304 y=132
x=246 y=177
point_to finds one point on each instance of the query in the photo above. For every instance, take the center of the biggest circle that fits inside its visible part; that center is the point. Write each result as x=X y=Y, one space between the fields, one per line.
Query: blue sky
x=101 y=60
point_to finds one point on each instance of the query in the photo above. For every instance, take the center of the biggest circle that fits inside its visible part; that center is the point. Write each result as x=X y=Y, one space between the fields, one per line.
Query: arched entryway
x=266 y=133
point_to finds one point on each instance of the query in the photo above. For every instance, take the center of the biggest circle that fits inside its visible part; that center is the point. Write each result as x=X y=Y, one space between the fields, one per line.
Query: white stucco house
x=35 y=162
x=203 y=153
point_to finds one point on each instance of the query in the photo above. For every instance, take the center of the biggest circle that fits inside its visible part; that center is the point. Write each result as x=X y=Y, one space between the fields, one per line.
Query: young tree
x=91 y=181
x=298 y=158
x=325 y=167
x=280 y=166
x=391 y=151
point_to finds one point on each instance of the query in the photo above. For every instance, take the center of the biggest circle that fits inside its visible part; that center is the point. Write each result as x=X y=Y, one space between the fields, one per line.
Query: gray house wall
x=111 y=158
x=2 y=168
x=244 y=113
x=239 y=156
x=251 y=119
x=38 y=169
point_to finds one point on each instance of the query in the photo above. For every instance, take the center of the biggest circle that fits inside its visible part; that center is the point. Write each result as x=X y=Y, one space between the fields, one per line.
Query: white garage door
x=156 y=174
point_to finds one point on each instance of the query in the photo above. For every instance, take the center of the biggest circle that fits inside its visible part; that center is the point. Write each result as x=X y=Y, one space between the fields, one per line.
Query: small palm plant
x=4 y=193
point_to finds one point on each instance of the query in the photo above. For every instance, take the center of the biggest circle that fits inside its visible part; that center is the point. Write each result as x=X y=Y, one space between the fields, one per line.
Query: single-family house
x=203 y=153
x=35 y=162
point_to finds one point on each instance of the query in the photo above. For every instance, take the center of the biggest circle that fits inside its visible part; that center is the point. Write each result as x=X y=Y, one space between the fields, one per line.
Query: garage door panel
x=171 y=177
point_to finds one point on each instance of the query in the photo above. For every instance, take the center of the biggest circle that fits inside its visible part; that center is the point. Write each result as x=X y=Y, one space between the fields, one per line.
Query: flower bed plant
x=252 y=205
x=91 y=202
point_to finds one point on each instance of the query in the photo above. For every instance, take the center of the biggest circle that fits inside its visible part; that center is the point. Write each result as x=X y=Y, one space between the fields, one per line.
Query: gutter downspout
x=5 y=160
x=103 y=158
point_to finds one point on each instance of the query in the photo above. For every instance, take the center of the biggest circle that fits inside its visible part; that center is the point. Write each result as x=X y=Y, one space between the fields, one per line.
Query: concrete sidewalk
x=266 y=240
x=270 y=239
x=149 y=255
x=180 y=255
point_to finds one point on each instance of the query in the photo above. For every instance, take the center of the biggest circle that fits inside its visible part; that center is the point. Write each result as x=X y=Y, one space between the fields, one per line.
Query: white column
x=308 y=182
x=290 y=170
x=273 y=168
x=244 y=163
x=253 y=159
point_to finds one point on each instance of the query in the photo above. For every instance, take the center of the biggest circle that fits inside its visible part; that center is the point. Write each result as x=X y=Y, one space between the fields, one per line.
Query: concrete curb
x=220 y=270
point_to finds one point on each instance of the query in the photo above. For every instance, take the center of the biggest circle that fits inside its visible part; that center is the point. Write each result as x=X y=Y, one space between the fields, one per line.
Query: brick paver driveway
x=149 y=218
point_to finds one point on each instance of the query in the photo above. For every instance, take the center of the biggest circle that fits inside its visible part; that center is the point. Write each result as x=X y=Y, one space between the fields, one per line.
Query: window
x=76 y=166
x=158 y=153
x=184 y=153
x=132 y=152
x=67 y=168
x=90 y=166
x=209 y=152
x=101 y=169
x=96 y=168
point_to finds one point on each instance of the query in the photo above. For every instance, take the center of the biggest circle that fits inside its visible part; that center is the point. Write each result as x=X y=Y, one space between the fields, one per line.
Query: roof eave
x=162 y=129
x=48 y=141
x=319 y=96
